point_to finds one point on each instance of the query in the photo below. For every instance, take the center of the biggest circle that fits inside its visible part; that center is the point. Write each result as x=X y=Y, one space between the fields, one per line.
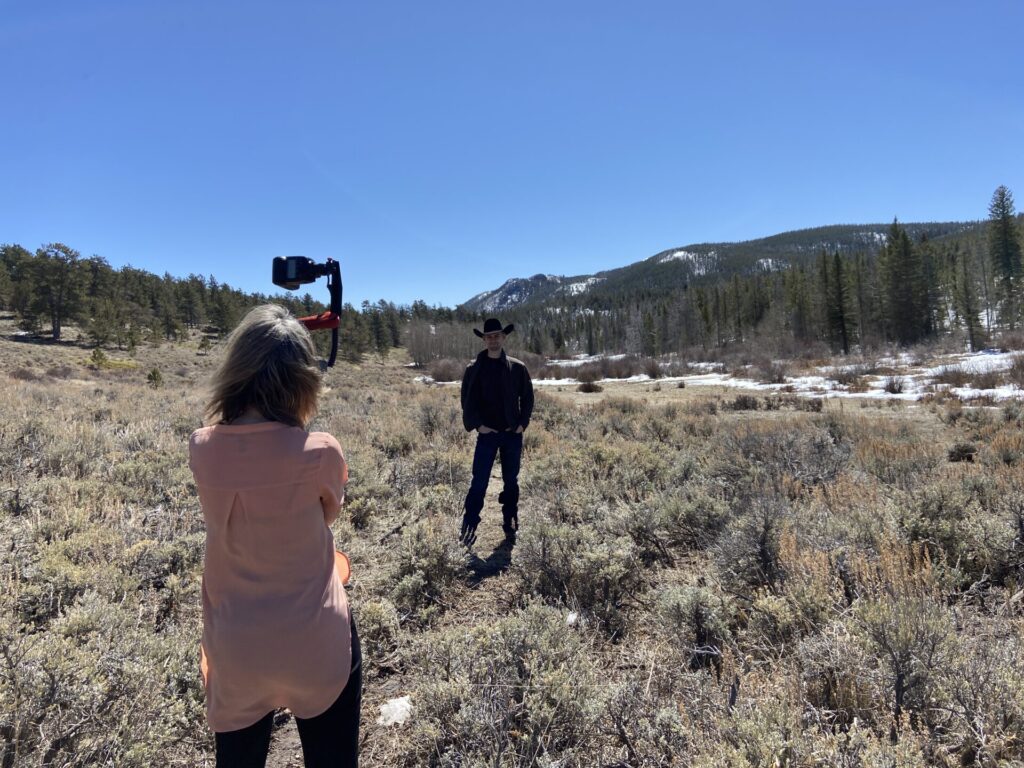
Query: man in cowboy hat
x=497 y=401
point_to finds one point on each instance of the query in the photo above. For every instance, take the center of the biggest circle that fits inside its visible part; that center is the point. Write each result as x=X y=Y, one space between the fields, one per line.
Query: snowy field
x=905 y=377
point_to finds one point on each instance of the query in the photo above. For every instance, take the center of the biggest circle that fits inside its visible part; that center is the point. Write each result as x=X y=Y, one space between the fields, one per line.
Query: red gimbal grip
x=321 y=321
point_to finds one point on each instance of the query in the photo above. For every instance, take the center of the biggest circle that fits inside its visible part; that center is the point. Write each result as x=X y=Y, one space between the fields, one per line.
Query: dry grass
x=693 y=584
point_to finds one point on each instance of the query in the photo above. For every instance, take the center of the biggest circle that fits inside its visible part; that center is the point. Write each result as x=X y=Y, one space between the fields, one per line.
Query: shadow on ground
x=496 y=563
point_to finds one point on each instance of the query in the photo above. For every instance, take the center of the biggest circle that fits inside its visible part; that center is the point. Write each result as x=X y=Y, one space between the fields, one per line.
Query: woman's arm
x=333 y=478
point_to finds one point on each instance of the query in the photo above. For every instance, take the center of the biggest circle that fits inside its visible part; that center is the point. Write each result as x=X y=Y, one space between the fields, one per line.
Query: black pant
x=510 y=446
x=329 y=740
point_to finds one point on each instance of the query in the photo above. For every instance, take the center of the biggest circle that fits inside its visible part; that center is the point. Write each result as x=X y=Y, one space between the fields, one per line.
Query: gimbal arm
x=332 y=318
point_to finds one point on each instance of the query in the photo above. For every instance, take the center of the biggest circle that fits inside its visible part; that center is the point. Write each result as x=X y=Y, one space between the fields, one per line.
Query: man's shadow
x=496 y=563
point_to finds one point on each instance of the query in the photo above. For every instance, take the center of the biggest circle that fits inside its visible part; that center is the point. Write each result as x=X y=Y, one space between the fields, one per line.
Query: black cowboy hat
x=492 y=325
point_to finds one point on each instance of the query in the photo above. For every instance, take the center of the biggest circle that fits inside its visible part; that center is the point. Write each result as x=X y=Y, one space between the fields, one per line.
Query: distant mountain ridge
x=674 y=268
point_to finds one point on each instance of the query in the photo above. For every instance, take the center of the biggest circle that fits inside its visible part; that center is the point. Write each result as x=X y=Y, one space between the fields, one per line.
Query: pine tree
x=931 y=289
x=58 y=285
x=823 y=300
x=6 y=288
x=704 y=312
x=535 y=340
x=966 y=300
x=591 y=338
x=862 y=298
x=354 y=335
x=902 y=282
x=737 y=304
x=648 y=338
x=838 y=313
x=1005 y=254
x=798 y=303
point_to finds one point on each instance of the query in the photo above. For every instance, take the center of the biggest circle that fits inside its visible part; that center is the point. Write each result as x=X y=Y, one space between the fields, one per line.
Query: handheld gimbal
x=292 y=271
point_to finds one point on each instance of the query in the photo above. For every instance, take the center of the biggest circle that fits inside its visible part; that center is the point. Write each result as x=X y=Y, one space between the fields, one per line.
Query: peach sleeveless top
x=276 y=629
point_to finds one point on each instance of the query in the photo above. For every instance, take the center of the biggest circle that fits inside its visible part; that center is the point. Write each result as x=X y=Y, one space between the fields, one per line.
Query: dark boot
x=509 y=514
x=510 y=522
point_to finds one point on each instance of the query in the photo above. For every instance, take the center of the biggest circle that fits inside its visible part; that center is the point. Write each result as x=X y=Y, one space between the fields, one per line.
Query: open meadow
x=703 y=576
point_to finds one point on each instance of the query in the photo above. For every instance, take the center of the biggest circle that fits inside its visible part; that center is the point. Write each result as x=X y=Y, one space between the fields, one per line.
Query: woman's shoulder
x=323 y=440
x=200 y=436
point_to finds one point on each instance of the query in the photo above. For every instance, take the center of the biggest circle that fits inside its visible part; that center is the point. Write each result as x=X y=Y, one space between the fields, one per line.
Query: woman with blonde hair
x=277 y=630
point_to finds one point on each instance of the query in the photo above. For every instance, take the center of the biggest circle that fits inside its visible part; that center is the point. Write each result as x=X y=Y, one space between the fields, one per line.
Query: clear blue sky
x=439 y=148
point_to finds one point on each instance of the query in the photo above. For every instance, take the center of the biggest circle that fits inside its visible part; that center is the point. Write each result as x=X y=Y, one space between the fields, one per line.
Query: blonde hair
x=269 y=365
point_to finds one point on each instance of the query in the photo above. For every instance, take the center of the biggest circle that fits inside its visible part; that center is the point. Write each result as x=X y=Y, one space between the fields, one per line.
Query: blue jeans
x=510 y=446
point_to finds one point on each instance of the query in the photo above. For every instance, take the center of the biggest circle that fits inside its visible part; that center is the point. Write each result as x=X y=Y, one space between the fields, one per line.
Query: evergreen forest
x=906 y=288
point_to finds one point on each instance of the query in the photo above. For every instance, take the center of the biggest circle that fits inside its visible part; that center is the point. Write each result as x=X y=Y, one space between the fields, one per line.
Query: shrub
x=745 y=403
x=429 y=562
x=894 y=385
x=773 y=371
x=533 y=362
x=696 y=620
x=23 y=374
x=950 y=518
x=154 y=378
x=902 y=618
x=440 y=418
x=578 y=568
x=1008 y=447
x=589 y=387
x=99 y=689
x=366 y=499
x=859 y=384
x=988 y=380
x=379 y=631
x=1015 y=373
x=810 y=404
x=850 y=376
x=910 y=636
x=811 y=454
x=898 y=461
x=962 y=452
x=652 y=368
x=446 y=369
x=642 y=524
x=621 y=367
x=692 y=518
x=621 y=405
x=1013 y=412
x=629 y=472
x=749 y=551
x=952 y=375
x=952 y=412
x=520 y=692
x=832 y=664
x=60 y=372
x=983 y=692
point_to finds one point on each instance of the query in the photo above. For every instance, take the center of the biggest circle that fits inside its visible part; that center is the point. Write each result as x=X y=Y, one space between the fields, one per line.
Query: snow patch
x=395 y=711
x=698 y=262
x=575 y=289
x=679 y=255
x=874 y=238
x=583 y=360
x=917 y=380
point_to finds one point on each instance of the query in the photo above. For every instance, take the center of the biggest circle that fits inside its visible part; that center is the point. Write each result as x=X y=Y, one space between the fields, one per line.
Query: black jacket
x=516 y=388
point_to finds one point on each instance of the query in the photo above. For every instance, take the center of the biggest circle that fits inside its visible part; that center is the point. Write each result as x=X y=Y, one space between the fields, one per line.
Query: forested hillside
x=55 y=286
x=844 y=286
